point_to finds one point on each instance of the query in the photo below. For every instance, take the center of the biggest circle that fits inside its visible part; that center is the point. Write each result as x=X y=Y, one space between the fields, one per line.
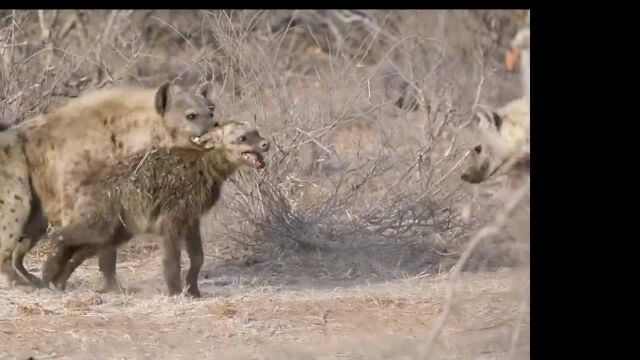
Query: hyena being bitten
x=162 y=192
x=47 y=160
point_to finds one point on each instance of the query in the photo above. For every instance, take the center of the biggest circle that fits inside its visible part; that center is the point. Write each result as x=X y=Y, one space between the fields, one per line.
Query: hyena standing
x=48 y=159
x=163 y=192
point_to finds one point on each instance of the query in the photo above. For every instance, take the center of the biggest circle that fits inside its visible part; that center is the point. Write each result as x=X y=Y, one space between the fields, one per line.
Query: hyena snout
x=471 y=178
x=476 y=173
x=199 y=129
x=264 y=145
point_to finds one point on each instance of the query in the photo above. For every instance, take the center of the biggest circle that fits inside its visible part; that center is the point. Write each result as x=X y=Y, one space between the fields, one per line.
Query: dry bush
x=365 y=109
x=363 y=177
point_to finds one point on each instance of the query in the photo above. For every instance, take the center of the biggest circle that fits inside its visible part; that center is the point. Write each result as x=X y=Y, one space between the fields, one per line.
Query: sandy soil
x=241 y=318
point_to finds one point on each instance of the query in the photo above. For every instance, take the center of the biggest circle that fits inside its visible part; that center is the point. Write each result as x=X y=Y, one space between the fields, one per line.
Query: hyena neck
x=163 y=137
x=217 y=166
x=160 y=136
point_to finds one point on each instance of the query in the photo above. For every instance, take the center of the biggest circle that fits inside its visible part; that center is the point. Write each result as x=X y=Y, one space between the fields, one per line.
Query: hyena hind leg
x=55 y=263
x=107 y=259
x=17 y=262
x=32 y=231
x=79 y=254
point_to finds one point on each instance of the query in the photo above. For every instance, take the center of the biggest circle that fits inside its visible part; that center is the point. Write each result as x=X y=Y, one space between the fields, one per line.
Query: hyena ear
x=497 y=120
x=163 y=97
x=488 y=119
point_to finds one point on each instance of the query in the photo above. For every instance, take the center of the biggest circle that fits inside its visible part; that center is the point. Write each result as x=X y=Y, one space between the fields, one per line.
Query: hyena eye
x=478 y=149
x=216 y=124
x=242 y=138
x=212 y=108
x=191 y=116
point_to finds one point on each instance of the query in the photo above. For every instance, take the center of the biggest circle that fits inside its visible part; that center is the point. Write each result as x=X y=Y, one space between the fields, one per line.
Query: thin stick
x=516 y=332
x=314 y=140
x=492 y=229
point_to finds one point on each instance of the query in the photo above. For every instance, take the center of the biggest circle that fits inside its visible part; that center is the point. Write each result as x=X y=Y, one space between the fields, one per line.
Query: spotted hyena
x=502 y=135
x=49 y=158
x=163 y=192
x=501 y=143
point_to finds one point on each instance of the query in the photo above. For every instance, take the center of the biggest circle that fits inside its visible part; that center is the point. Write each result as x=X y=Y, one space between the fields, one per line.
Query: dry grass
x=246 y=319
x=366 y=111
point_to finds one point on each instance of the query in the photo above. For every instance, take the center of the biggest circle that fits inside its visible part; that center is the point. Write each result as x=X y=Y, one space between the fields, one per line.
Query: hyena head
x=242 y=143
x=500 y=146
x=187 y=113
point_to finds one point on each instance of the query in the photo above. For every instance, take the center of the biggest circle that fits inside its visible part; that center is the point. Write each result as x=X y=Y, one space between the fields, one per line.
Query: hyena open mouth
x=254 y=159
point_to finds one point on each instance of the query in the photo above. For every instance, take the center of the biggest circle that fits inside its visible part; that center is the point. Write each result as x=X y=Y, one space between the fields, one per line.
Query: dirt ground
x=241 y=318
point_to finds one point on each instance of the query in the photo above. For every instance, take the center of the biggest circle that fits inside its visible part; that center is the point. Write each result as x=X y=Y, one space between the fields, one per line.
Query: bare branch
x=492 y=229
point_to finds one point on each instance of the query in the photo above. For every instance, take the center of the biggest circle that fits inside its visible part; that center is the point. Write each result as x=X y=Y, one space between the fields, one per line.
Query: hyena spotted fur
x=163 y=192
x=48 y=159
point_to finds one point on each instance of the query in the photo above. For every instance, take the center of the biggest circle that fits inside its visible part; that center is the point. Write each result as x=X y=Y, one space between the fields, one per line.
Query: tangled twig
x=492 y=229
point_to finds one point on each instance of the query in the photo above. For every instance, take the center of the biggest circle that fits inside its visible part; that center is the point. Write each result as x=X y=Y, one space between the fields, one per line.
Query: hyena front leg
x=171 y=264
x=193 y=243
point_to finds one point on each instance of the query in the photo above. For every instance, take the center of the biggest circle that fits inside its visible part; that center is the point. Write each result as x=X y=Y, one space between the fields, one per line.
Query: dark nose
x=264 y=145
